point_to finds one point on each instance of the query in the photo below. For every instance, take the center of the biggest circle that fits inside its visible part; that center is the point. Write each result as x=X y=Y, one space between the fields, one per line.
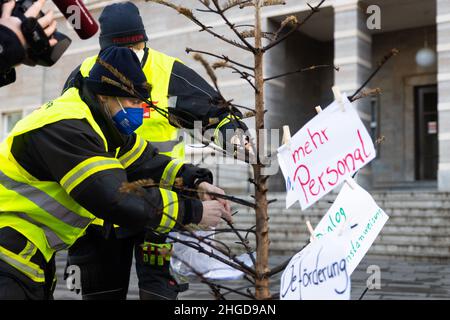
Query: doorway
x=426 y=133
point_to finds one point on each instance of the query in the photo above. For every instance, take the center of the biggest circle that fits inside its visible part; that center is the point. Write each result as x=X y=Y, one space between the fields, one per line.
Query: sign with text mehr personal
x=327 y=150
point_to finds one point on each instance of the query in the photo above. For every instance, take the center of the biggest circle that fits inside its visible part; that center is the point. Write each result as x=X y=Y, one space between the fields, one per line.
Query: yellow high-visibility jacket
x=43 y=211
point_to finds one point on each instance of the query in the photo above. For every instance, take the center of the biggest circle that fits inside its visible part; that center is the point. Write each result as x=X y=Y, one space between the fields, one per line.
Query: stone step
x=284 y=221
x=374 y=252
x=408 y=195
x=433 y=240
x=281 y=246
x=394 y=215
x=405 y=211
x=417 y=196
x=405 y=247
x=418 y=228
x=389 y=228
x=433 y=237
x=385 y=205
x=379 y=250
x=396 y=202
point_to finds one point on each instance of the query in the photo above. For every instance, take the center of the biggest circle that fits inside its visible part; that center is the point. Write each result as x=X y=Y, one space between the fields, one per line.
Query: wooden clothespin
x=338 y=97
x=341 y=229
x=349 y=181
x=311 y=230
x=286 y=137
x=318 y=109
x=346 y=225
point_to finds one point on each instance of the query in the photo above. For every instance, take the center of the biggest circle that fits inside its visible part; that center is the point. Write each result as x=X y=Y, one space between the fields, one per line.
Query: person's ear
x=101 y=98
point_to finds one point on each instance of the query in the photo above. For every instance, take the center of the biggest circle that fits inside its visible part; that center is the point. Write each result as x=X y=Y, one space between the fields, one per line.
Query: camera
x=39 y=51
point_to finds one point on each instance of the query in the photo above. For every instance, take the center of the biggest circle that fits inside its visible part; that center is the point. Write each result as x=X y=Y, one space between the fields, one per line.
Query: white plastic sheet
x=186 y=259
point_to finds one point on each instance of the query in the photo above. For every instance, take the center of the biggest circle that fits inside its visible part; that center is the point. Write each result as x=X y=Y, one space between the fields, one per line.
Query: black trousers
x=14 y=285
x=105 y=266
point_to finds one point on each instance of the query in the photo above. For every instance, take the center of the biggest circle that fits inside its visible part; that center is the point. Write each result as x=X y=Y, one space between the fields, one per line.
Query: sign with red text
x=318 y=272
x=327 y=150
x=356 y=216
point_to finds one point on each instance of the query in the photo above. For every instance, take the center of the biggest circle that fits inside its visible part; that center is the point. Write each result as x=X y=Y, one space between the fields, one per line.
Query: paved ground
x=399 y=280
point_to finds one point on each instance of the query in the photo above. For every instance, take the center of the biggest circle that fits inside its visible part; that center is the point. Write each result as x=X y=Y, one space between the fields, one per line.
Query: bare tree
x=250 y=151
x=255 y=77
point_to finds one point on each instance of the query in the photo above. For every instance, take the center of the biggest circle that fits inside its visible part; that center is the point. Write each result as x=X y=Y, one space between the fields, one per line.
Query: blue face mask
x=128 y=119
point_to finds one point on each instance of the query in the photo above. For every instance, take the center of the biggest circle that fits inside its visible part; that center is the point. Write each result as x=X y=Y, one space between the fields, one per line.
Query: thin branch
x=233 y=3
x=231 y=26
x=291 y=20
x=236 y=290
x=203 y=279
x=243 y=241
x=209 y=144
x=244 y=75
x=364 y=293
x=267 y=3
x=223 y=57
x=283 y=265
x=209 y=71
x=303 y=70
x=383 y=61
x=226 y=249
x=295 y=28
x=136 y=187
x=249 y=231
x=367 y=93
x=244 y=25
x=213 y=77
x=251 y=34
x=243 y=107
x=235 y=263
x=220 y=286
x=149 y=183
x=188 y=14
x=219 y=231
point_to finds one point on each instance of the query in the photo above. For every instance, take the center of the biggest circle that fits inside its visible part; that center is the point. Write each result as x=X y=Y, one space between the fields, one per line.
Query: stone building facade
x=412 y=113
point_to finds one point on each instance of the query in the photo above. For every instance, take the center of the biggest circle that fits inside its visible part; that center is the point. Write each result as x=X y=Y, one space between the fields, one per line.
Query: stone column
x=353 y=53
x=443 y=48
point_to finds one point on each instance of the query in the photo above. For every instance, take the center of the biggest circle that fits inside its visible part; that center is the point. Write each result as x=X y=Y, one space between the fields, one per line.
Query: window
x=375 y=122
x=9 y=121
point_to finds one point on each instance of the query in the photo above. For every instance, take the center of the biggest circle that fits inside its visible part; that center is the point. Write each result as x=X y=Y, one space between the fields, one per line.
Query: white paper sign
x=319 y=272
x=356 y=214
x=327 y=150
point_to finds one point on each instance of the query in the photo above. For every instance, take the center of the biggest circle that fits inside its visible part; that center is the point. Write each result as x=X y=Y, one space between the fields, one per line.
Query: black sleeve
x=151 y=164
x=196 y=96
x=7 y=77
x=11 y=53
x=70 y=82
x=49 y=153
x=193 y=93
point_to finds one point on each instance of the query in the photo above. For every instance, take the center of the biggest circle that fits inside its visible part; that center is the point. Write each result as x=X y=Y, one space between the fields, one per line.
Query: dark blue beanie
x=121 y=25
x=126 y=62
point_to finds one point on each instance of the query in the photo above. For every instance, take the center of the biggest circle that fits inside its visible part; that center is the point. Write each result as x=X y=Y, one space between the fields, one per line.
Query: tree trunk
x=262 y=226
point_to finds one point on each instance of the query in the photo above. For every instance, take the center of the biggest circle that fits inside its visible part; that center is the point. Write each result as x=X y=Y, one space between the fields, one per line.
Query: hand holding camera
x=47 y=22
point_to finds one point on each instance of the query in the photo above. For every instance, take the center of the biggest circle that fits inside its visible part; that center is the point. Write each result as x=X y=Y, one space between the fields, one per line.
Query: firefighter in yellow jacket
x=106 y=253
x=64 y=164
